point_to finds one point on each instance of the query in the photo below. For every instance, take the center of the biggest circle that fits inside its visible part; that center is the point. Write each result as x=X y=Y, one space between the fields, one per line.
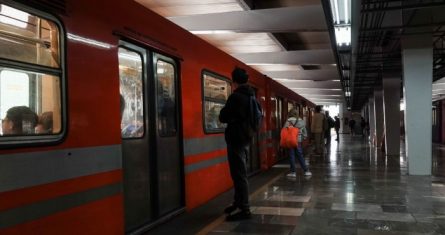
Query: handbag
x=289 y=136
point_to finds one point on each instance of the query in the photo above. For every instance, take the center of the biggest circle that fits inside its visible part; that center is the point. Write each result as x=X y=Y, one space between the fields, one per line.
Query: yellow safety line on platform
x=207 y=229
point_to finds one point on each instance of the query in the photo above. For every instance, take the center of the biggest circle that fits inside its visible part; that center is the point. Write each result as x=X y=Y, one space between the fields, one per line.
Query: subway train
x=119 y=126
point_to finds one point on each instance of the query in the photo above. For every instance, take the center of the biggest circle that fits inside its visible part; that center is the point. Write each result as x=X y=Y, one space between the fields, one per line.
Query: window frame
x=46 y=139
x=203 y=99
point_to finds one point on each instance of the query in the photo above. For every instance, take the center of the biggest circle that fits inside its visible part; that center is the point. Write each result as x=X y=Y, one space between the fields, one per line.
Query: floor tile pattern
x=355 y=190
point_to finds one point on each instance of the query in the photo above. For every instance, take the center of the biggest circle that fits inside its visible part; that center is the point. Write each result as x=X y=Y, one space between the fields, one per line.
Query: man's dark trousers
x=237 y=156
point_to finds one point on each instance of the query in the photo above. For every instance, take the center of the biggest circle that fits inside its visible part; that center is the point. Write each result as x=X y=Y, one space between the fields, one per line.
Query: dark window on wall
x=31 y=77
x=216 y=91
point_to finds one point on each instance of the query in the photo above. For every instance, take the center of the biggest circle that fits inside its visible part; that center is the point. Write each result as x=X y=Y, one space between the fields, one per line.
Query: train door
x=254 y=164
x=169 y=181
x=152 y=177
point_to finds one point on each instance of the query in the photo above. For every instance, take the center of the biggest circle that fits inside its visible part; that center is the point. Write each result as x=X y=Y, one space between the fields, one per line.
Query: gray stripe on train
x=41 y=209
x=24 y=170
x=195 y=146
x=204 y=164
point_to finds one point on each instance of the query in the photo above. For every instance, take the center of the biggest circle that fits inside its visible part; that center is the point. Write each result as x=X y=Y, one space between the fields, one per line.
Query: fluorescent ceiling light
x=325 y=89
x=343 y=35
x=317 y=95
x=211 y=31
x=324 y=99
x=342 y=21
x=335 y=12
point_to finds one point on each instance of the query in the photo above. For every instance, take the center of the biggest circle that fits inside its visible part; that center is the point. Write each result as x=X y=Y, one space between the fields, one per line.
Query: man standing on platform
x=331 y=124
x=318 y=126
x=337 y=127
x=236 y=114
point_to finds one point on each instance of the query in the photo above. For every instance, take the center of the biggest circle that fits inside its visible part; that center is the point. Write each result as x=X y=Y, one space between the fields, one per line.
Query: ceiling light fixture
x=211 y=31
x=342 y=21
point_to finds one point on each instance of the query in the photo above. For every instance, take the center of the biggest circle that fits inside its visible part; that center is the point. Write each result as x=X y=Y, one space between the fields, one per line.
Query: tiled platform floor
x=353 y=190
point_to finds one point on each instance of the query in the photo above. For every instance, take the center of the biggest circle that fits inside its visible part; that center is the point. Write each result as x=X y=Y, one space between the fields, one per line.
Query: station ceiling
x=287 y=40
x=292 y=41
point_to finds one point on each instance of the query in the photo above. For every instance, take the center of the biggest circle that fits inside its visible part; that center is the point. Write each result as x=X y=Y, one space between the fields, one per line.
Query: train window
x=166 y=100
x=27 y=38
x=280 y=112
x=131 y=85
x=31 y=77
x=290 y=106
x=216 y=92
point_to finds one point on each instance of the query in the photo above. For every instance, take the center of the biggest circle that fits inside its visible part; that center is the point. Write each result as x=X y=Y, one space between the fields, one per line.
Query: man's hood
x=245 y=89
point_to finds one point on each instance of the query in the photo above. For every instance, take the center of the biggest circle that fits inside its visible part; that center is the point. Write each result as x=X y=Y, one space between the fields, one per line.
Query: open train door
x=150 y=129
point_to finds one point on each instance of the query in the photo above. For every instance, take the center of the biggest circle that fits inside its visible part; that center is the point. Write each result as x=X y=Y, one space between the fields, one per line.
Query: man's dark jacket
x=236 y=113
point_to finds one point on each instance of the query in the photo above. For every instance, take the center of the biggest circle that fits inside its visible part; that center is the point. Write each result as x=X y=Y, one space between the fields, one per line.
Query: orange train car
x=110 y=118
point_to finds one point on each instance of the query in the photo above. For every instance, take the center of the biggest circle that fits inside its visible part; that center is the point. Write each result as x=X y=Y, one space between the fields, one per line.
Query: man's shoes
x=241 y=215
x=292 y=174
x=230 y=209
x=307 y=173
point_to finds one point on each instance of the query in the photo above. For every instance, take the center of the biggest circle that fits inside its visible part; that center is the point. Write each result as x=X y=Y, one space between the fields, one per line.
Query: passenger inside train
x=19 y=120
x=45 y=123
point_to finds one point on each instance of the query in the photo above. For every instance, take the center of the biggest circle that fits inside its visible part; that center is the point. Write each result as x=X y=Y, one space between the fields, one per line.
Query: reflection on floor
x=354 y=190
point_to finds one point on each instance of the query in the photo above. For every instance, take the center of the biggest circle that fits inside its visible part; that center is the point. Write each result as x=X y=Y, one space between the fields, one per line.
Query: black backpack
x=255 y=116
x=331 y=122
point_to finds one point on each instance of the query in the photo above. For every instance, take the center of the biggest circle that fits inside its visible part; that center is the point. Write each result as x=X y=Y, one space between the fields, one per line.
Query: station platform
x=354 y=190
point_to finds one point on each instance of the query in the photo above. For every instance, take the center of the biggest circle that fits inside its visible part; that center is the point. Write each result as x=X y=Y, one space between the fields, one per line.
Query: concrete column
x=391 y=98
x=417 y=80
x=378 y=113
x=371 y=119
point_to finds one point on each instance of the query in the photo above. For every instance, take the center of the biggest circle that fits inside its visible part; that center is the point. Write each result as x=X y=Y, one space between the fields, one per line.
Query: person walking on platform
x=318 y=126
x=337 y=127
x=352 y=126
x=330 y=125
x=236 y=114
x=299 y=123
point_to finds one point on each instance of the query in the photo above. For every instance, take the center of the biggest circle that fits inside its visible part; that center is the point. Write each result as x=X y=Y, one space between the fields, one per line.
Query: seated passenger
x=19 y=120
x=45 y=124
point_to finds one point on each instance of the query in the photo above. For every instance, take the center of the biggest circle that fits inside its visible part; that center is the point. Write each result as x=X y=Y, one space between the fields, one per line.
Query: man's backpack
x=331 y=122
x=255 y=116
